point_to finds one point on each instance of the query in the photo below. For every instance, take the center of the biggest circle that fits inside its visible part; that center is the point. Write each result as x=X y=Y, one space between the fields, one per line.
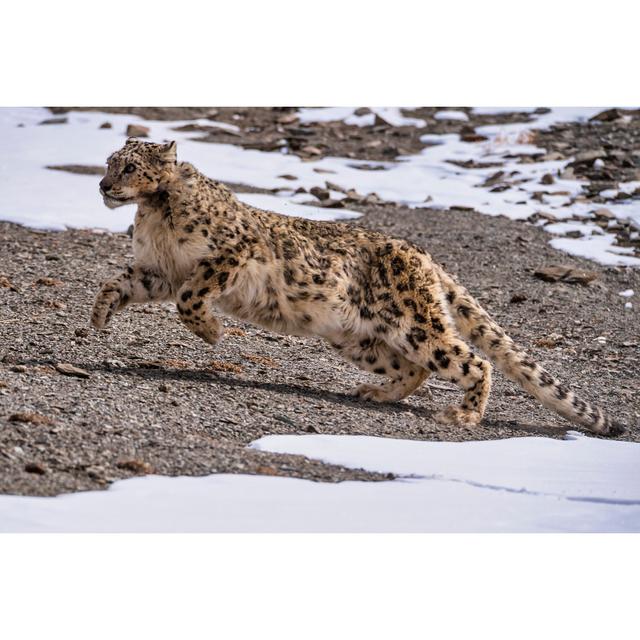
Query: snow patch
x=516 y=485
x=451 y=115
x=600 y=248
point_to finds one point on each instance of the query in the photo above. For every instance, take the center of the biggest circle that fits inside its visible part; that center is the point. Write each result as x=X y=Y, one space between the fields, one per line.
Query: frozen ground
x=39 y=197
x=519 y=485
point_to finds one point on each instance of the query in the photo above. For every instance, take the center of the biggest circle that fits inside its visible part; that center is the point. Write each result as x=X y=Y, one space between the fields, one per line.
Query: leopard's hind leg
x=435 y=346
x=375 y=356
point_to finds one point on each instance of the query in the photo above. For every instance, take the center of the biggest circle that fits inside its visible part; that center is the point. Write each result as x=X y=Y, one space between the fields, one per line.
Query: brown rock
x=320 y=193
x=18 y=368
x=105 y=125
x=69 y=370
x=48 y=282
x=547 y=178
x=7 y=284
x=604 y=213
x=137 y=131
x=607 y=116
x=30 y=417
x=35 y=467
x=570 y=275
x=592 y=154
x=473 y=137
x=288 y=118
x=139 y=467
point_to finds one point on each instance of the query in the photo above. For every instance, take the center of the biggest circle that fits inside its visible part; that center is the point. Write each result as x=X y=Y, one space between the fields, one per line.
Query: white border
x=494 y=52
x=545 y=53
x=319 y=586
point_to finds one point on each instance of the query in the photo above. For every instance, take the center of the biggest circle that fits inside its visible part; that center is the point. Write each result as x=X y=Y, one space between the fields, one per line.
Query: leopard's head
x=136 y=171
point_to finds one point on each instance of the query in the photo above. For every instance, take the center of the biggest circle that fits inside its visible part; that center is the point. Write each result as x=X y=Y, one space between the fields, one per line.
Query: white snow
x=628 y=305
x=518 y=485
x=451 y=115
x=599 y=248
x=627 y=293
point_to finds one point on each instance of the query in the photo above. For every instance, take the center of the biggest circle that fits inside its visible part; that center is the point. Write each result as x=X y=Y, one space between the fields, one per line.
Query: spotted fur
x=380 y=302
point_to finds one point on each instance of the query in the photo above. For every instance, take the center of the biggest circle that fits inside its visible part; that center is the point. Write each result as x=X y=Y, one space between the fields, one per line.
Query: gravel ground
x=154 y=398
x=158 y=399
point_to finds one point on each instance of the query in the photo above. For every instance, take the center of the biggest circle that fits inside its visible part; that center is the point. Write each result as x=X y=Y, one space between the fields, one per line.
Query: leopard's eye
x=130 y=168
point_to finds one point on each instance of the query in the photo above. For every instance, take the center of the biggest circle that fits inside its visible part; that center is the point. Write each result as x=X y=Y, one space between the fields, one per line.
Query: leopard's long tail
x=477 y=326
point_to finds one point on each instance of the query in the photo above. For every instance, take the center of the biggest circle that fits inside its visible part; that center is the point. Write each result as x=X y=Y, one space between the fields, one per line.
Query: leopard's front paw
x=377 y=393
x=459 y=417
x=107 y=302
x=210 y=335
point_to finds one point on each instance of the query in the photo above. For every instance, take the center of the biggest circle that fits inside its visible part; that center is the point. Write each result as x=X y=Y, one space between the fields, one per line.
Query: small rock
x=311 y=150
x=69 y=370
x=18 y=368
x=551 y=341
x=35 y=467
x=7 y=284
x=163 y=387
x=567 y=274
x=55 y=121
x=517 y=298
x=320 y=193
x=285 y=419
x=105 y=125
x=30 y=417
x=604 y=213
x=547 y=178
x=288 y=118
x=607 y=116
x=288 y=176
x=48 y=282
x=138 y=467
x=137 y=131
x=81 y=332
x=333 y=187
x=588 y=156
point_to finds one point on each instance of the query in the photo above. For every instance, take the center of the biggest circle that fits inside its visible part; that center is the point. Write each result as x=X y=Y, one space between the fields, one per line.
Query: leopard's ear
x=167 y=152
x=130 y=141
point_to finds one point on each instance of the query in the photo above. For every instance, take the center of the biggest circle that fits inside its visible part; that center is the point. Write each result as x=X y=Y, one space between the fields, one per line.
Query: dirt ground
x=153 y=398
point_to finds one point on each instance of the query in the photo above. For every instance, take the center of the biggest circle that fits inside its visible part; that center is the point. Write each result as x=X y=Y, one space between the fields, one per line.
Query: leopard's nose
x=105 y=184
